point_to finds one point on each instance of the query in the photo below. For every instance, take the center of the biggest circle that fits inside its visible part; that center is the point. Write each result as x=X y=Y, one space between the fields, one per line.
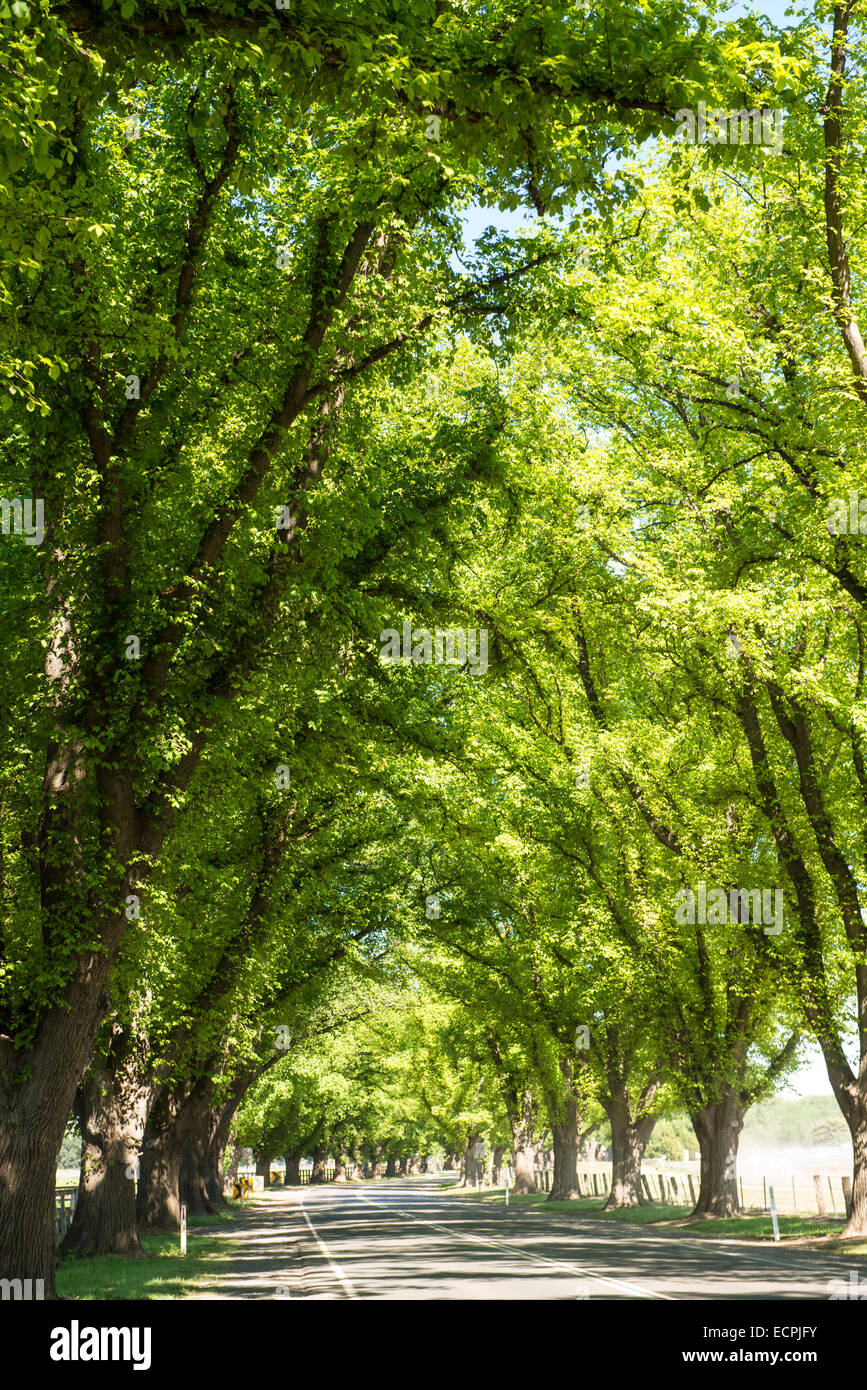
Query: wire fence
x=825 y=1194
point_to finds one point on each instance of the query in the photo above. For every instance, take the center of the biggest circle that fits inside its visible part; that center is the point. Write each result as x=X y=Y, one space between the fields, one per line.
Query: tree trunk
x=339 y=1168
x=293 y=1170
x=111 y=1108
x=628 y=1141
x=173 y=1118
x=390 y=1167
x=567 y=1144
x=158 y=1202
x=215 y=1181
x=526 y=1145
x=857 y=1222
x=220 y=1124
x=497 y=1164
x=469 y=1165
x=192 y=1188
x=849 y=1093
x=34 y=1114
x=718 y=1127
x=263 y=1168
x=526 y=1140
x=525 y=1169
x=318 y=1174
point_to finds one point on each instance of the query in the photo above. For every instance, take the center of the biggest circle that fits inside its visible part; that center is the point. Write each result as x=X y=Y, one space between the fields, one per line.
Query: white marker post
x=183 y=1230
x=507 y=1187
x=774 y=1213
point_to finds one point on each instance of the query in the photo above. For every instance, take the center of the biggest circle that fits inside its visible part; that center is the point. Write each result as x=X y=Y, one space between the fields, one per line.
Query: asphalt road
x=409 y=1240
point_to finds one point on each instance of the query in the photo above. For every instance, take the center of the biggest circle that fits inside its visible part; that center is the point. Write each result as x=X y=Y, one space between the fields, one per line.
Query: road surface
x=408 y=1239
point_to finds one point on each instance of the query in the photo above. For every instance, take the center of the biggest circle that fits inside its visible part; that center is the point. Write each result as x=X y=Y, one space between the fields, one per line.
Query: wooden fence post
x=821 y=1204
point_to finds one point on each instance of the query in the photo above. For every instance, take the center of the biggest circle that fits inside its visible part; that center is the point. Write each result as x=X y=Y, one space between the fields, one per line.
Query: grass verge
x=163 y=1273
x=751 y=1227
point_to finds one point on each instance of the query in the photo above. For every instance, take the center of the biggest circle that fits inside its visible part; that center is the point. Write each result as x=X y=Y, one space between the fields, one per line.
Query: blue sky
x=477 y=219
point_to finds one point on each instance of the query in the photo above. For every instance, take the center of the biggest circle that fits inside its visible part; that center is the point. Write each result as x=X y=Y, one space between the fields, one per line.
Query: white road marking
x=522 y=1254
x=350 y=1291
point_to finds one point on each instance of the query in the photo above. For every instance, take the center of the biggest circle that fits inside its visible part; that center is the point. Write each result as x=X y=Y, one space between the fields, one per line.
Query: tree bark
x=171 y=1122
x=192 y=1183
x=567 y=1145
x=521 y=1111
x=263 y=1167
x=497 y=1164
x=158 y=1201
x=215 y=1181
x=718 y=1127
x=857 y=1222
x=630 y=1131
x=525 y=1170
x=111 y=1107
x=628 y=1142
x=469 y=1164
x=318 y=1174
x=391 y=1167
x=526 y=1144
x=33 y=1118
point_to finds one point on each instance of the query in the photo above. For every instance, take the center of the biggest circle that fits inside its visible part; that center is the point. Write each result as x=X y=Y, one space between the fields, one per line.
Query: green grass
x=755 y=1227
x=163 y=1273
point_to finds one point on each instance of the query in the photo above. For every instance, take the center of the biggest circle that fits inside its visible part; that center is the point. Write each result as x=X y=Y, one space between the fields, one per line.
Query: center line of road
x=350 y=1291
x=522 y=1254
